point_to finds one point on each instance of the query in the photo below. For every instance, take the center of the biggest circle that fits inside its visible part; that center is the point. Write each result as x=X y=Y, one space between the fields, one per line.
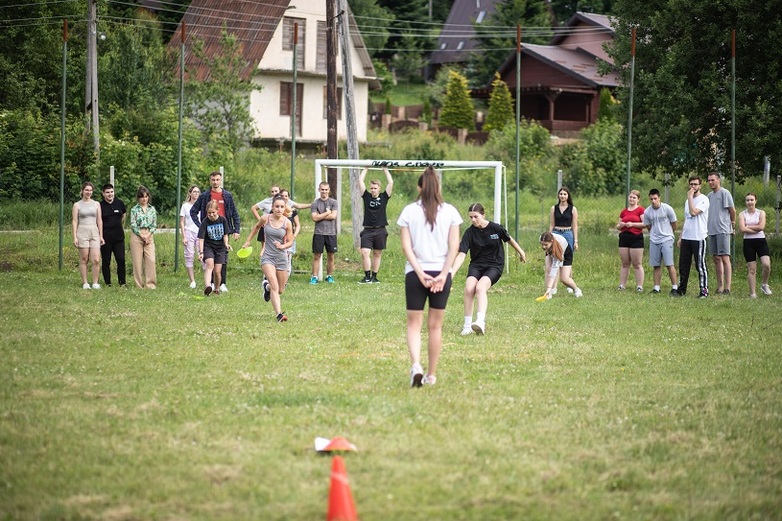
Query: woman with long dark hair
x=429 y=229
x=559 y=256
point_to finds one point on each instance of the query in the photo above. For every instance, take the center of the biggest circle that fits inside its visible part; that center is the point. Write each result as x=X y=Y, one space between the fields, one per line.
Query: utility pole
x=331 y=90
x=91 y=91
x=350 y=115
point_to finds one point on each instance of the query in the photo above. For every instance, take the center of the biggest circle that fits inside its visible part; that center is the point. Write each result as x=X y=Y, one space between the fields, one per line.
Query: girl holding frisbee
x=484 y=240
x=87 y=224
x=559 y=256
x=429 y=230
x=278 y=232
x=213 y=246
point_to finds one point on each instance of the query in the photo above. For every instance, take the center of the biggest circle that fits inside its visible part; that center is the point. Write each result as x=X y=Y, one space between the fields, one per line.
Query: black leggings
x=118 y=249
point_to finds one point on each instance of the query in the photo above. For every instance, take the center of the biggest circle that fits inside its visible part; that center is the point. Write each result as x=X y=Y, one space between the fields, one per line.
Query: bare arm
x=389 y=182
x=255 y=230
x=457 y=263
x=362 y=187
x=407 y=249
x=515 y=245
x=575 y=228
x=453 y=250
x=75 y=223
x=254 y=209
x=100 y=223
x=551 y=220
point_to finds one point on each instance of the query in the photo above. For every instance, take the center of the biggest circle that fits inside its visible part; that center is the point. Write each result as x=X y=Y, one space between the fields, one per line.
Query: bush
x=596 y=165
x=538 y=158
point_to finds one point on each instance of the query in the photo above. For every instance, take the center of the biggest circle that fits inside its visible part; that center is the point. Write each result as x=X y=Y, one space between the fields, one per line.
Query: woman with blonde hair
x=87 y=224
x=560 y=255
x=429 y=229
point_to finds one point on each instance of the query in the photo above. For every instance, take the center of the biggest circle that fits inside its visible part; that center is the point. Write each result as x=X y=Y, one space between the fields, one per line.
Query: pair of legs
x=658 y=275
x=89 y=255
x=752 y=268
x=118 y=250
x=724 y=270
x=316 y=263
x=190 y=241
x=476 y=290
x=416 y=295
x=693 y=249
x=213 y=269
x=143 y=258
x=631 y=257
x=565 y=277
x=548 y=270
x=371 y=259
x=276 y=279
x=662 y=254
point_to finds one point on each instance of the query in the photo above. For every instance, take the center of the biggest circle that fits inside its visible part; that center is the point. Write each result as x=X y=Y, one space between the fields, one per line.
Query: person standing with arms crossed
x=429 y=230
x=752 y=223
x=374 y=236
x=721 y=225
x=692 y=241
x=226 y=208
x=660 y=218
x=324 y=213
x=113 y=213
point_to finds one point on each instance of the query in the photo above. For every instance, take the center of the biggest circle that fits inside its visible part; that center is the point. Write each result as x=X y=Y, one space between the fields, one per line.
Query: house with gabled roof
x=457 y=38
x=561 y=81
x=266 y=32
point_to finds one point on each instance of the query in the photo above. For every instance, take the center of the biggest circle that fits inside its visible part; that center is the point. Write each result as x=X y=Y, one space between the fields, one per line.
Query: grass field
x=122 y=404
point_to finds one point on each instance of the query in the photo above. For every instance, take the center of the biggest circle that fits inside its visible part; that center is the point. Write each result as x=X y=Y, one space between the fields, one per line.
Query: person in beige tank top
x=87 y=224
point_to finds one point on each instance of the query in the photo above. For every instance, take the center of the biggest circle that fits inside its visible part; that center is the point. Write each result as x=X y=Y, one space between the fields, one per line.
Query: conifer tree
x=458 y=110
x=500 y=106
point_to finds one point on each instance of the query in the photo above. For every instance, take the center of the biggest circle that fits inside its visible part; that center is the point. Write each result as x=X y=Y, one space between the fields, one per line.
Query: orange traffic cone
x=341 y=507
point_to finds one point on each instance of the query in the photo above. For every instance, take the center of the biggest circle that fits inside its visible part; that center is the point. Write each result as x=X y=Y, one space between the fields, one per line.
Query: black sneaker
x=726 y=292
x=374 y=280
x=267 y=294
x=675 y=293
x=365 y=280
x=208 y=290
x=282 y=317
x=655 y=291
x=704 y=294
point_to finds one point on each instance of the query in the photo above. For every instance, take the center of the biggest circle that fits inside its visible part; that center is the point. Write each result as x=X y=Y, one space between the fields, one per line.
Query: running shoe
x=765 y=289
x=416 y=376
x=267 y=294
x=329 y=279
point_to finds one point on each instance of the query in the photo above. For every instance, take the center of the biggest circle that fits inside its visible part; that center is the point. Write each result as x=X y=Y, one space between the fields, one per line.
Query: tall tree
x=682 y=95
x=373 y=21
x=497 y=35
x=220 y=104
x=500 y=106
x=458 y=110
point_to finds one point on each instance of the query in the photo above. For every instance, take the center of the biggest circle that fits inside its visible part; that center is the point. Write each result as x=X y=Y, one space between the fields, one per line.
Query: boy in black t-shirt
x=113 y=214
x=374 y=235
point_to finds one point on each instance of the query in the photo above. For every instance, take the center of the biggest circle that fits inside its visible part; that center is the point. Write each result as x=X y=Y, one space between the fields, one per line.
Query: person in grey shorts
x=721 y=225
x=278 y=232
x=660 y=219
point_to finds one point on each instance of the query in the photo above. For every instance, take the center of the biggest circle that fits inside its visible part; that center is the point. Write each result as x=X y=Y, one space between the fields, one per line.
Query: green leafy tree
x=437 y=88
x=538 y=155
x=497 y=35
x=607 y=109
x=682 y=96
x=374 y=22
x=500 y=106
x=596 y=164
x=220 y=104
x=458 y=110
x=409 y=61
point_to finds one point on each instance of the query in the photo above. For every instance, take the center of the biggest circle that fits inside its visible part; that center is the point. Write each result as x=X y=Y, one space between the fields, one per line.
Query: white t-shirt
x=430 y=246
x=190 y=226
x=695 y=227
x=555 y=262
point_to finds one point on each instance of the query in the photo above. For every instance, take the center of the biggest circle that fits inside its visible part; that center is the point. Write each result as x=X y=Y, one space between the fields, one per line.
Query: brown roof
x=575 y=63
x=253 y=24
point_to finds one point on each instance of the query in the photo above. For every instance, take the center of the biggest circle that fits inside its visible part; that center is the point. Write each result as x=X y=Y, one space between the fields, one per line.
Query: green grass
x=122 y=404
x=403 y=94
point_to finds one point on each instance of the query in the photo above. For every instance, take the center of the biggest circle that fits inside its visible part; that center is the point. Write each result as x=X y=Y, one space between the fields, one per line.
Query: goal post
x=402 y=164
x=406 y=164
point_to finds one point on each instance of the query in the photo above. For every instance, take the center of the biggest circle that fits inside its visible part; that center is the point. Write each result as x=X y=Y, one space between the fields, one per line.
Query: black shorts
x=374 y=238
x=261 y=237
x=416 y=294
x=631 y=240
x=319 y=241
x=755 y=249
x=220 y=255
x=494 y=274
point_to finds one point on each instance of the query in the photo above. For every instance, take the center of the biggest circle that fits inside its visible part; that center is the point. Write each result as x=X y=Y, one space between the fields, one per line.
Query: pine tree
x=500 y=106
x=458 y=110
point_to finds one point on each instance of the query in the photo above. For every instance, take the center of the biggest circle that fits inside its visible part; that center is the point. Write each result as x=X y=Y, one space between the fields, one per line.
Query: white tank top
x=752 y=219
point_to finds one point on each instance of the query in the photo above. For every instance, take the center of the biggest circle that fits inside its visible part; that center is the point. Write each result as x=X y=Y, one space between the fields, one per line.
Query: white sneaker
x=467 y=330
x=86 y=286
x=765 y=289
x=554 y=291
x=570 y=290
x=430 y=379
x=223 y=289
x=193 y=285
x=416 y=376
x=96 y=286
x=479 y=327
x=577 y=293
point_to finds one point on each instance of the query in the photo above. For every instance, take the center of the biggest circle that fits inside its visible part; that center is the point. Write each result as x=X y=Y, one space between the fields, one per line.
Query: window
x=339 y=103
x=287 y=38
x=443 y=46
x=320 y=60
x=460 y=46
x=286 y=101
x=481 y=16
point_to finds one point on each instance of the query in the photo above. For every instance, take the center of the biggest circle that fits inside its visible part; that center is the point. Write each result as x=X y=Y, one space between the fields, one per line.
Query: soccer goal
x=495 y=167
x=419 y=165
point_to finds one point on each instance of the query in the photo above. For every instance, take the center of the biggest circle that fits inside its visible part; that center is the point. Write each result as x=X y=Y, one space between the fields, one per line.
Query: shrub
x=500 y=106
x=458 y=111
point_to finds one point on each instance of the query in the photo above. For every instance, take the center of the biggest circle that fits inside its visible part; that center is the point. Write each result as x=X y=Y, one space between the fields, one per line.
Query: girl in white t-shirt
x=561 y=255
x=189 y=232
x=429 y=229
